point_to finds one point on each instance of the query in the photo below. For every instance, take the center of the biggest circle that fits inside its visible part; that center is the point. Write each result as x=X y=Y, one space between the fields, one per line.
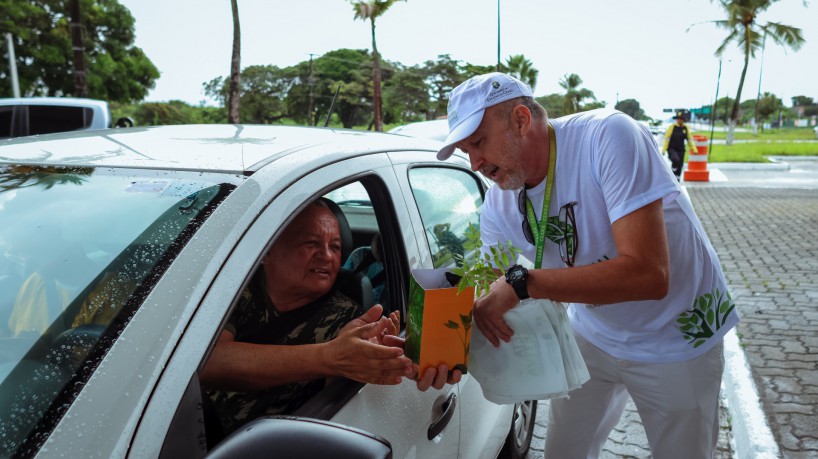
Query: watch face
x=516 y=274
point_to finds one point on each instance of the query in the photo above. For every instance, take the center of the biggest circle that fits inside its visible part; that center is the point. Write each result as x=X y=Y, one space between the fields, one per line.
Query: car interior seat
x=368 y=261
x=352 y=284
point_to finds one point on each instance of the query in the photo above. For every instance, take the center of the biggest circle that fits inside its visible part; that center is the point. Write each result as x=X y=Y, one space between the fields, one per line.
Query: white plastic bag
x=541 y=361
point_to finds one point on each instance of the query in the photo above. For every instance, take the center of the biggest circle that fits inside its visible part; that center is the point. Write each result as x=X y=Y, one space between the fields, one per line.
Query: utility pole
x=80 y=81
x=310 y=82
x=15 y=83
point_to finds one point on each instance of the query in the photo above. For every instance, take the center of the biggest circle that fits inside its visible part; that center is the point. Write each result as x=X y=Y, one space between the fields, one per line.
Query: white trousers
x=677 y=402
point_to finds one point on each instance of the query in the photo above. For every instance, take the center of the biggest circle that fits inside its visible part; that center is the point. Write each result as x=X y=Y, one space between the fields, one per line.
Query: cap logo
x=495 y=84
x=452 y=119
x=498 y=93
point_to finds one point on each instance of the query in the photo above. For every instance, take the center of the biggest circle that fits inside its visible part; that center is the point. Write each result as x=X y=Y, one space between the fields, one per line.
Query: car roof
x=65 y=101
x=207 y=148
x=434 y=129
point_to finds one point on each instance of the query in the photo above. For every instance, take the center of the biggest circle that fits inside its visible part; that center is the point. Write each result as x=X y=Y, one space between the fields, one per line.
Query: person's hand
x=354 y=355
x=394 y=324
x=489 y=310
x=374 y=314
x=438 y=377
x=371 y=315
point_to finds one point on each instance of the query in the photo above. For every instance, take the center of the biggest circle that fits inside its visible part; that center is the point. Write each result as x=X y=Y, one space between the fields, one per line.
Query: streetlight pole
x=760 y=68
x=498 y=35
x=713 y=111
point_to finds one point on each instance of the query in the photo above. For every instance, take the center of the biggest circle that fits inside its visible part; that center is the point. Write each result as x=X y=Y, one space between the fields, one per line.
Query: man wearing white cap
x=649 y=315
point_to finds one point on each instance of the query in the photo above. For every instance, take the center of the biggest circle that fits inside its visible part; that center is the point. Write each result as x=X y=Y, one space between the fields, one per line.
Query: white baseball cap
x=469 y=100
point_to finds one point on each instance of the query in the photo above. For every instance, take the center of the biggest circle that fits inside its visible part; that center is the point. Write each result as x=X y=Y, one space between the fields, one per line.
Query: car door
x=445 y=198
x=401 y=414
x=417 y=424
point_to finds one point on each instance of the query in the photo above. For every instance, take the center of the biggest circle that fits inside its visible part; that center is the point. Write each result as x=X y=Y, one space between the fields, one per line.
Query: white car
x=45 y=115
x=123 y=252
x=434 y=129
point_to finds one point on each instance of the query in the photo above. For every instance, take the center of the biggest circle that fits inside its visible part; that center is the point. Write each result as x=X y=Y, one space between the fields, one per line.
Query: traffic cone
x=696 y=170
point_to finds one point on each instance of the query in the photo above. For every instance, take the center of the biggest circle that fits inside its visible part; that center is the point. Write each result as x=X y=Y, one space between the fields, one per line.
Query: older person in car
x=292 y=329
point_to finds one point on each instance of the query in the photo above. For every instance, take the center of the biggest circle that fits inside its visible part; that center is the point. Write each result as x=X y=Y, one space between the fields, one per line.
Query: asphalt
x=763 y=223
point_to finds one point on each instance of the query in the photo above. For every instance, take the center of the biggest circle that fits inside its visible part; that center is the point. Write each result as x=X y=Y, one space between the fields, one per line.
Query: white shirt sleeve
x=628 y=167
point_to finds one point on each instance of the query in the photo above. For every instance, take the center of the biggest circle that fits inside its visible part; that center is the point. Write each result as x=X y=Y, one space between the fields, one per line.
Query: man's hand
x=489 y=310
x=438 y=377
x=373 y=315
x=354 y=355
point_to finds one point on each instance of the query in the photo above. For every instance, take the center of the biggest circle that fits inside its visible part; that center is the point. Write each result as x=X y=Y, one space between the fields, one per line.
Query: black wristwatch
x=517 y=278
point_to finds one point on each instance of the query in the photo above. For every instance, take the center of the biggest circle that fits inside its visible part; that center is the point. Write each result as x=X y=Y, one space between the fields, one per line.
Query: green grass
x=755 y=148
x=770 y=134
x=758 y=152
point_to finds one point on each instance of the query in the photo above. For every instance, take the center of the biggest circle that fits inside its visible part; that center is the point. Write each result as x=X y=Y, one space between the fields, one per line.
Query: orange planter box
x=438 y=328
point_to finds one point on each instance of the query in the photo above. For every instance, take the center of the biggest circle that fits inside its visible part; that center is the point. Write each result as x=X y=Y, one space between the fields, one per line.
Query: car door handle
x=440 y=423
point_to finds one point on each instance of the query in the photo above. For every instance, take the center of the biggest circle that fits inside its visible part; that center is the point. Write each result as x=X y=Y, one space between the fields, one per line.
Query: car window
x=80 y=249
x=448 y=200
x=46 y=119
x=5 y=121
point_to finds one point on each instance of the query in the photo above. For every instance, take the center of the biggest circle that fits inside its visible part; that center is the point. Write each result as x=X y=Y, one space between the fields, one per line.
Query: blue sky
x=623 y=49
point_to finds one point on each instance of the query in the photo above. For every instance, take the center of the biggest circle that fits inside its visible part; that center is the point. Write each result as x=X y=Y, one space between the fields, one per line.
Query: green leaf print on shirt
x=708 y=315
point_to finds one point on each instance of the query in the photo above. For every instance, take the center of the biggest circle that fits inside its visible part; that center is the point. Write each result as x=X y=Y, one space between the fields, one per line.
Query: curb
x=774 y=166
x=752 y=436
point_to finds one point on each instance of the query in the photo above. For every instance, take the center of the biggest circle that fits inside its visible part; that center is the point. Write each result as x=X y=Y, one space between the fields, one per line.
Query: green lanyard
x=538 y=229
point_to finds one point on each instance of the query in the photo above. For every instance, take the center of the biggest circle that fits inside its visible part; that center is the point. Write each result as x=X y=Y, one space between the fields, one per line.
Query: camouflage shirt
x=255 y=320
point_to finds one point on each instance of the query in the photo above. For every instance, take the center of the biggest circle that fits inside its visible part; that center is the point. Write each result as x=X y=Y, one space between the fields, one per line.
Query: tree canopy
x=575 y=96
x=746 y=31
x=115 y=69
x=632 y=108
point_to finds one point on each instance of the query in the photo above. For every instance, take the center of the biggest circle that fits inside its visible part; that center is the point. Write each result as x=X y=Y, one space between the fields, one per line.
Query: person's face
x=496 y=150
x=305 y=259
x=679 y=121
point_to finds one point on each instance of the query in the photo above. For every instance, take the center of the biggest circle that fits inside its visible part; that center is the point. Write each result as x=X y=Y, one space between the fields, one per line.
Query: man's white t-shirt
x=610 y=165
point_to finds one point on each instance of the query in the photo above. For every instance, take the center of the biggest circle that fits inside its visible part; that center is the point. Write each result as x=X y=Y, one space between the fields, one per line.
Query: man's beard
x=511 y=163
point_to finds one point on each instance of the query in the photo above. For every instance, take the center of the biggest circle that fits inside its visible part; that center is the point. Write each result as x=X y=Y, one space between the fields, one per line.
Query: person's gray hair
x=538 y=112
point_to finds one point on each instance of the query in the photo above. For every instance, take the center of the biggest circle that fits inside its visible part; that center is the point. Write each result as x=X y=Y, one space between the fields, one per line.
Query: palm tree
x=235 y=68
x=748 y=34
x=370 y=10
x=522 y=68
x=574 y=95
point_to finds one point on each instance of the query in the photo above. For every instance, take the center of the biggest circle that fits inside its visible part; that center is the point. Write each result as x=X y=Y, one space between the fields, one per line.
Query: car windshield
x=80 y=249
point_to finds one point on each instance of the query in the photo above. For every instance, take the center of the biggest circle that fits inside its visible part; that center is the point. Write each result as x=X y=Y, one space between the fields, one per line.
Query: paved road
x=763 y=223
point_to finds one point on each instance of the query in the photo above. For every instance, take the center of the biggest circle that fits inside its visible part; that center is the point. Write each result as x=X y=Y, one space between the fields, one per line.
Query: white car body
x=25 y=116
x=140 y=399
x=434 y=129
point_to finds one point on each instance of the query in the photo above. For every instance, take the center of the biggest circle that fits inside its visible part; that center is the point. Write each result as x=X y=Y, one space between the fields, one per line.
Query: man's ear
x=521 y=119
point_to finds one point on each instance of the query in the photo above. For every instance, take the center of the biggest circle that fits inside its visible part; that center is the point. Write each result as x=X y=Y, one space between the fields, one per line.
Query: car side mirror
x=125 y=121
x=300 y=437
